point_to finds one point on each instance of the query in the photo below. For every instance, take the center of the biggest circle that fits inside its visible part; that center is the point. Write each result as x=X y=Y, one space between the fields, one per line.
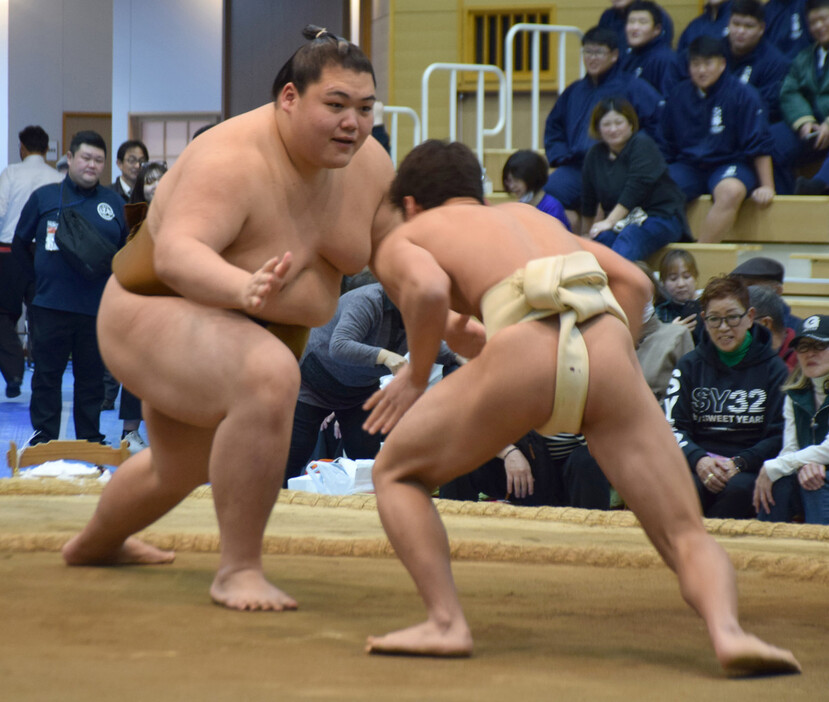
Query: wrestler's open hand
x=268 y=279
x=464 y=335
x=389 y=404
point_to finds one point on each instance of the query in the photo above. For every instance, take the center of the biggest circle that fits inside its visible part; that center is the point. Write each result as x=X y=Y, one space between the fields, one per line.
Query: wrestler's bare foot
x=427 y=639
x=744 y=654
x=248 y=590
x=132 y=552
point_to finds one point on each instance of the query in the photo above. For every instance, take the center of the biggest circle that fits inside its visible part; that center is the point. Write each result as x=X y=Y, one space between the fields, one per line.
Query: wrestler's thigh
x=627 y=431
x=191 y=362
x=473 y=413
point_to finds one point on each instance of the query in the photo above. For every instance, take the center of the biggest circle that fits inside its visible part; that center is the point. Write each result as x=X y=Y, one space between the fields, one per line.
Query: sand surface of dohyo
x=564 y=605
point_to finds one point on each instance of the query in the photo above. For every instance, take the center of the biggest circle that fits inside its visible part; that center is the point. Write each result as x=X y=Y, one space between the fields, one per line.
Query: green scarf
x=732 y=358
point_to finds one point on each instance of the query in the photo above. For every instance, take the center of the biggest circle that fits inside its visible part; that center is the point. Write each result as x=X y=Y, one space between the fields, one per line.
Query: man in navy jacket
x=756 y=61
x=716 y=139
x=566 y=141
x=649 y=54
x=65 y=304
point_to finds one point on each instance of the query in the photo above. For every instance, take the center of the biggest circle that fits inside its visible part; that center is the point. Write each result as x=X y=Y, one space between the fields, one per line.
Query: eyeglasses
x=732 y=320
x=595 y=52
x=132 y=161
x=806 y=346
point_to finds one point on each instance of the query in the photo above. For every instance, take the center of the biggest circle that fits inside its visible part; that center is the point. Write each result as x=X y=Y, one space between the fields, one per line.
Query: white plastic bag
x=340 y=477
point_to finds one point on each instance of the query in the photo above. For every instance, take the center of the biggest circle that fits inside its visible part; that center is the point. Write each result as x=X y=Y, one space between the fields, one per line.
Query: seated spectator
x=615 y=19
x=786 y=26
x=525 y=174
x=713 y=22
x=798 y=475
x=626 y=174
x=761 y=270
x=755 y=61
x=678 y=277
x=341 y=368
x=725 y=403
x=716 y=139
x=804 y=99
x=523 y=473
x=566 y=140
x=649 y=54
x=770 y=311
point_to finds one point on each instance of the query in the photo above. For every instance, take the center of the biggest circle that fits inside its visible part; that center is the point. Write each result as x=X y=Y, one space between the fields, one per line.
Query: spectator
x=787 y=26
x=713 y=22
x=649 y=54
x=524 y=176
x=678 y=276
x=761 y=270
x=724 y=401
x=770 y=312
x=626 y=174
x=615 y=19
x=566 y=141
x=717 y=139
x=131 y=155
x=341 y=369
x=129 y=411
x=65 y=304
x=804 y=99
x=805 y=451
x=755 y=61
x=17 y=183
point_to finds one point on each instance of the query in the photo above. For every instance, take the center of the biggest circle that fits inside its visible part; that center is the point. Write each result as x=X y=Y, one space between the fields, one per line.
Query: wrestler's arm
x=203 y=212
x=630 y=286
x=421 y=290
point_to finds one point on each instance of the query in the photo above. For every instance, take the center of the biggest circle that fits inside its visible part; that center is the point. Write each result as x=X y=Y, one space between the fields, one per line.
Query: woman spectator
x=678 y=279
x=624 y=173
x=524 y=176
x=725 y=401
x=805 y=453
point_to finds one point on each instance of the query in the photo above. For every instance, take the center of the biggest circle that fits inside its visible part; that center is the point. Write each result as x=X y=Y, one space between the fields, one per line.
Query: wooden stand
x=71 y=450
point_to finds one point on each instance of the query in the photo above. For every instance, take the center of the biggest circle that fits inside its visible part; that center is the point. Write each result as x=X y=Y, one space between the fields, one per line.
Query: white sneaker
x=135 y=442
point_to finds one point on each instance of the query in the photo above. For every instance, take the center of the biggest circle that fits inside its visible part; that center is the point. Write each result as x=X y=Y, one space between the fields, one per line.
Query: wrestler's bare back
x=236 y=189
x=502 y=239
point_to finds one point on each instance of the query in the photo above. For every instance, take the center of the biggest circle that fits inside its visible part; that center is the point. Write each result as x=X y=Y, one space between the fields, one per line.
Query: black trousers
x=11 y=302
x=56 y=336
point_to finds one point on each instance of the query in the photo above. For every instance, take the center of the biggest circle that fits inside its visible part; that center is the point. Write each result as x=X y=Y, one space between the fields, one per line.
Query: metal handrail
x=454 y=68
x=395 y=111
x=537 y=30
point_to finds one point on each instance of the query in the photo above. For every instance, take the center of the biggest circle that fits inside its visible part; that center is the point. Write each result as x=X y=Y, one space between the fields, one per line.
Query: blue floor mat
x=16 y=426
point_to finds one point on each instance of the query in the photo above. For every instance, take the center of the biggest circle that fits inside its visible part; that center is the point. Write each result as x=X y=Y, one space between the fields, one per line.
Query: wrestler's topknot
x=323 y=48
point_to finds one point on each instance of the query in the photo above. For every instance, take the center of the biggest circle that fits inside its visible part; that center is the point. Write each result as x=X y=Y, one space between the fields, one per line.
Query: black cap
x=815 y=327
x=760 y=267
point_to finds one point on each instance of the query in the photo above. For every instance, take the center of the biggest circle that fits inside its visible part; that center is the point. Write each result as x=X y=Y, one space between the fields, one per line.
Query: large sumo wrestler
x=453 y=253
x=259 y=217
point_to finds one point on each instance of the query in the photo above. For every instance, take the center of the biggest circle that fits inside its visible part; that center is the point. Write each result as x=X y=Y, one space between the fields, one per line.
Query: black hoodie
x=728 y=411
